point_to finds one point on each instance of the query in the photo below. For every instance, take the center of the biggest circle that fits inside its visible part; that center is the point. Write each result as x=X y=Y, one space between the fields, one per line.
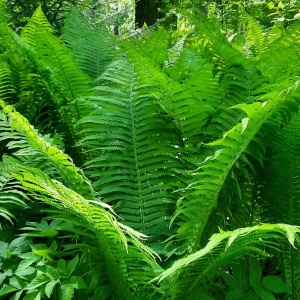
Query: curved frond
x=70 y=174
x=189 y=272
x=215 y=169
x=255 y=39
x=126 y=264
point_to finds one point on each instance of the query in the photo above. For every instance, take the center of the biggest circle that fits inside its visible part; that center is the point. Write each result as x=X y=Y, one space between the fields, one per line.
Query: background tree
x=147 y=12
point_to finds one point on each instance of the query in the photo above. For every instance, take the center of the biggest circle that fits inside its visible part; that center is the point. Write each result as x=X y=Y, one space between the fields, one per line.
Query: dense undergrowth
x=157 y=167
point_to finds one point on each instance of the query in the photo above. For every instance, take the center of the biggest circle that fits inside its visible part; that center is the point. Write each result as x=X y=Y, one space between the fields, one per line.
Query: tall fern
x=132 y=148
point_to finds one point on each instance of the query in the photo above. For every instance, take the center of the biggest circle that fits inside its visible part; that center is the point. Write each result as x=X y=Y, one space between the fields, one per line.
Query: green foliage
x=142 y=148
x=93 y=47
x=35 y=270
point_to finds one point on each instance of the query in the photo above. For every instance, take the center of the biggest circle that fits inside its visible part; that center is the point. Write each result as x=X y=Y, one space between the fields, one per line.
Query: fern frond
x=7 y=89
x=280 y=191
x=175 y=52
x=62 y=76
x=72 y=81
x=223 y=248
x=215 y=169
x=70 y=174
x=275 y=64
x=125 y=264
x=3 y=18
x=255 y=39
x=11 y=194
x=155 y=46
x=93 y=47
x=38 y=19
x=132 y=148
x=187 y=110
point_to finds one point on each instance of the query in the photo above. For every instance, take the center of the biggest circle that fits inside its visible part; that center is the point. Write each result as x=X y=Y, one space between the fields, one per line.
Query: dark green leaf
x=255 y=273
x=263 y=293
x=72 y=265
x=237 y=294
x=275 y=284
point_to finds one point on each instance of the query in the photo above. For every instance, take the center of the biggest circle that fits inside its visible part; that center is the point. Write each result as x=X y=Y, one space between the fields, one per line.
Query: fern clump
x=162 y=166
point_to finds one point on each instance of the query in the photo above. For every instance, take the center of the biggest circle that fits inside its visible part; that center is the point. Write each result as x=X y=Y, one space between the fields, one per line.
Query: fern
x=132 y=148
x=7 y=89
x=255 y=40
x=175 y=52
x=93 y=47
x=280 y=191
x=275 y=64
x=187 y=274
x=215 y=169
x=3 y=17
x=63 y=163
x=119 y=251
x=187 y=110
x=54 y=62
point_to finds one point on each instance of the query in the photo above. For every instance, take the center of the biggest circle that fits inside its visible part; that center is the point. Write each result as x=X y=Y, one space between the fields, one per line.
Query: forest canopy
x=149 y=150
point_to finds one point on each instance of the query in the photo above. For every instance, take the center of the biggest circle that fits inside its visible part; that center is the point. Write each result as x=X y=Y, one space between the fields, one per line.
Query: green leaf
x=237 y=294
x=17 y=282
x=231 y=281
x=62 y=267
x=7 y=289
x=52 y=273
x=78 y=282
x=263 y=293
x=72 y=265
x=36 y=282
x=26 y=272
x=24 y=264
x=17 y=295
x=251 y=295
x=53 y=247
x=255 y=273
x=33 y=296
x=275 y=284
x=66 y=291
x=49 y=288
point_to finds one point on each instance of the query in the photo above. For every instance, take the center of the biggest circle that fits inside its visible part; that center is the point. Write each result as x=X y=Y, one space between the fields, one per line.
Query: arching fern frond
x=56 y=56
x=275 y=64
x=70 y=174
x=190 y=272
x=154 y=46
x=188 y=111
x=11 y=195
x=125 y=264
x=175 y=52
x=215 y=169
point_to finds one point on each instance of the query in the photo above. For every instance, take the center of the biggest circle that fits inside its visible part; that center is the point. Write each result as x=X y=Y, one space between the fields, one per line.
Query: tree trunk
x=147 y=12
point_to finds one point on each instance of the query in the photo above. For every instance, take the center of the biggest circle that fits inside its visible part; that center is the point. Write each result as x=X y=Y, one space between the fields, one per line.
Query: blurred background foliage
x=125 y=17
